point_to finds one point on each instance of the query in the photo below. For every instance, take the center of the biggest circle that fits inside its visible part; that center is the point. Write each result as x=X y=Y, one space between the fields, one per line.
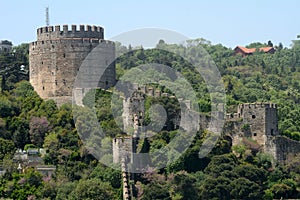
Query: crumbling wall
x=285 y=147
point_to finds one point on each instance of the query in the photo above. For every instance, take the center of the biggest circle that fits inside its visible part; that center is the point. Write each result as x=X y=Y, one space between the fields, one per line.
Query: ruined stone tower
x=261 y=121
x=254 y=120
x=57 y=55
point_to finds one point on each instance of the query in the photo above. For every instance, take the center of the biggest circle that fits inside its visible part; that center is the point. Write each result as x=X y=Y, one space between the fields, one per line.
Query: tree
x=281 y=190
x=243 y=188
x=38 y=127
x=107 y=174
x=23 y=89
x=92 y=189
x=251 y=172
x=220 y=163
x=183 y=186
x=20 y=128
x=6 y=107
x=215 y=188
x=280 y=46
x=270 y=44
x=10 y=66
x=7 y=148
x=65 y=189
x=155 y=191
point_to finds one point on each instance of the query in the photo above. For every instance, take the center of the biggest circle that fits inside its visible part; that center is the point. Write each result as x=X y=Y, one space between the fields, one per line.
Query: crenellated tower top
x=58 y=32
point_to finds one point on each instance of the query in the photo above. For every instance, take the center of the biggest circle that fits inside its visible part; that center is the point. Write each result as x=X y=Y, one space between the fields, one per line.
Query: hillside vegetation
x=27 y=121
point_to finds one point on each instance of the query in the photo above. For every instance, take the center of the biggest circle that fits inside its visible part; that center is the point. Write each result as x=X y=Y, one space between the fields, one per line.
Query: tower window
x=43 y=88
x=64 y=55
x=272 y=131
x=254 y=134
x=253 y=116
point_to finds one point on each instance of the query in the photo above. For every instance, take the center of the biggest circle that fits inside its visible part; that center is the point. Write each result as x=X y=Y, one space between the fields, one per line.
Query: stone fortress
x=60 y=53
x=255 y=121
x=55 y=59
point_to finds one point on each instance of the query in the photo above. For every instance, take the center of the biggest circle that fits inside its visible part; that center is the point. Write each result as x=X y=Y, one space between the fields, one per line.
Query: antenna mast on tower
x=47 y=16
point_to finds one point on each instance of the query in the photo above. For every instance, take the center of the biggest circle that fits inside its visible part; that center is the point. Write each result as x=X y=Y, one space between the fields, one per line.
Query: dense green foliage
x=27 y=120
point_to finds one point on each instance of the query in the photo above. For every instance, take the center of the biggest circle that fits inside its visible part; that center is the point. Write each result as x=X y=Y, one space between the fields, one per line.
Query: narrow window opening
x=254 y=134
x=272 y=131
x=253 y=116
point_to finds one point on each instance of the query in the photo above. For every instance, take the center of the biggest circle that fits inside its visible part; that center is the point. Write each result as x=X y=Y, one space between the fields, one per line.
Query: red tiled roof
x=252 y=50
x=265 y=49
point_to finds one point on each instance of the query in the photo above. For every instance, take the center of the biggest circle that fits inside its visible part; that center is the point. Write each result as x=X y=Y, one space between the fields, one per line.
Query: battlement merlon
x=257 y=105
x=50 y=32
x=242 y=107
x=71 y=41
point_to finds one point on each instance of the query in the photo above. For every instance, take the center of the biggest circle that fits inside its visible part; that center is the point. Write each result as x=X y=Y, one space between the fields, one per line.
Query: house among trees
x=239 y=50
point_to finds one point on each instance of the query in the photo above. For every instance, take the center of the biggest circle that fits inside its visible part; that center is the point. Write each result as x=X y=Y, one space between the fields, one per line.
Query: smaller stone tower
x=254 y=120
x=259 y=122
x=133 y=116
x=260 y=119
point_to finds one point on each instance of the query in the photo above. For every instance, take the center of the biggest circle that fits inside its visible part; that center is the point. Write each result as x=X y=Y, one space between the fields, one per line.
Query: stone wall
x=285 y=147
x=257 y=121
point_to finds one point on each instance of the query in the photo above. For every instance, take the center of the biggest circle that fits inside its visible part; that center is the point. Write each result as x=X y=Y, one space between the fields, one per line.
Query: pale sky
x=229 y=22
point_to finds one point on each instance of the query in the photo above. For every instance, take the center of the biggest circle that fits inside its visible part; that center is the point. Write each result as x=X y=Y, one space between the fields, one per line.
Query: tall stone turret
x=261 y=118
x=56 y=56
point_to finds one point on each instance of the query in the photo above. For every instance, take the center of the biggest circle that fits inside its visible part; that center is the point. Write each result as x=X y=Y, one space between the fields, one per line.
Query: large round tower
x=56 y=56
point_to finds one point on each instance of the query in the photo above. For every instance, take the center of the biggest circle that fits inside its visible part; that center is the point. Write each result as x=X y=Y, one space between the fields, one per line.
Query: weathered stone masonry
x=259 y=121
x=57 y=55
